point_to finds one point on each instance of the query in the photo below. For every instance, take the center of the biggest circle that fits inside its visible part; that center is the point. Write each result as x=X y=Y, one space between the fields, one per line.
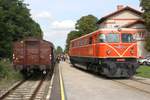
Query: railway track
x=138 y=80
x=28 y=90
x=135 y=84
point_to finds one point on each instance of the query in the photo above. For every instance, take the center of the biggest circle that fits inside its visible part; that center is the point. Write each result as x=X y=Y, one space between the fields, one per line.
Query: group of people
x=62 y=57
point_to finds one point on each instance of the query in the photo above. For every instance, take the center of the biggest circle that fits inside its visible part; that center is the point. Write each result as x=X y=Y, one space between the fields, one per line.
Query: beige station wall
x=120 y=20
x=126 y=15
x=142 y=52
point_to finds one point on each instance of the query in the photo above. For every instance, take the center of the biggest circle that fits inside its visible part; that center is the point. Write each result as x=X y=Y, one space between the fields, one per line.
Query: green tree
x=15 y=24
x=59 y=50
x=71 y=35
x=145 y=4
x=87 y=24
x=84 y=25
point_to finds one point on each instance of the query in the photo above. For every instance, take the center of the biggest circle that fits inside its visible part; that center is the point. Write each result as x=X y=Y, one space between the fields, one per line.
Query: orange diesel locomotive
x=111 y=52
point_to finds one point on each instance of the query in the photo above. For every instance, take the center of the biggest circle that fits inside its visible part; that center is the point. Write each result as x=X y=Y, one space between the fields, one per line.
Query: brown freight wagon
x=33 y=54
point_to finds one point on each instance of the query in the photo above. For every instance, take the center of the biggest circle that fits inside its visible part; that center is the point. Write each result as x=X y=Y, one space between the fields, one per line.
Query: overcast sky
x=57 y=17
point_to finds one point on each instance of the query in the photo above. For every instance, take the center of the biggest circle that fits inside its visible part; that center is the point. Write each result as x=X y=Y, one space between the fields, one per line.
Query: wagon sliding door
x=32 y=52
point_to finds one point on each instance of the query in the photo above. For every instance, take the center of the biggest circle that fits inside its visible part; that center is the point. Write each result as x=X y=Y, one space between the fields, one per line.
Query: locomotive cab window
x=102 y=38
x=127 y=38
x=110 y=38
x=113 y=38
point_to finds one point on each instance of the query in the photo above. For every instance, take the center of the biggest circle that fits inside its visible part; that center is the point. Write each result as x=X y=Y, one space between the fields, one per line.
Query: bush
x=7 y=72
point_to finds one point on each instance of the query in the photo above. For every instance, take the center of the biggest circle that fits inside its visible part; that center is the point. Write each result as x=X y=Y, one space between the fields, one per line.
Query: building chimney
x=119 y=7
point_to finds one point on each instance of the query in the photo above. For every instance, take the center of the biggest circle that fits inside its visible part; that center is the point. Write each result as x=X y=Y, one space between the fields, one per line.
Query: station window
x=141 y=35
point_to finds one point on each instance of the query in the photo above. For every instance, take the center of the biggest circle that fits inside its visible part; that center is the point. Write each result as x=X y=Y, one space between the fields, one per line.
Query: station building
x=127 y=17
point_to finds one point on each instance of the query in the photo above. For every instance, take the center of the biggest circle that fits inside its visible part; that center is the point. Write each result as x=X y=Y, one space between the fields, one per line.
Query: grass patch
x=7 y=74
x=143 y=71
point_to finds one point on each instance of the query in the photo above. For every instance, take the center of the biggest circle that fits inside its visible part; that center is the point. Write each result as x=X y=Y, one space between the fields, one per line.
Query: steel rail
x=133 y=87
x=134 y=79
x=12 y=89
x=37 y=88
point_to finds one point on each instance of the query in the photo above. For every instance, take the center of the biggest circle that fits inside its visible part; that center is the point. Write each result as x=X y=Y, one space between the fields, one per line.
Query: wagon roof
x=35 y=39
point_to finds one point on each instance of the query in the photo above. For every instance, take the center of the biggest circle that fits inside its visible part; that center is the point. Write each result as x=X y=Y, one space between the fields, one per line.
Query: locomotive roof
x=106 y=29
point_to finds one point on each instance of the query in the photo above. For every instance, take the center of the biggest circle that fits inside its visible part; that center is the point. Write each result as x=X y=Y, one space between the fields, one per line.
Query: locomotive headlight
x=108 y=52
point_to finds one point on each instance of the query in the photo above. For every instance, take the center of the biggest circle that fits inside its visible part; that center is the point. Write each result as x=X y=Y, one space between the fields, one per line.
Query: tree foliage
x=84 y=25
x=145 y=4
x=87 y=24
x=15 y=24
x=72 y=35
x=59 y=50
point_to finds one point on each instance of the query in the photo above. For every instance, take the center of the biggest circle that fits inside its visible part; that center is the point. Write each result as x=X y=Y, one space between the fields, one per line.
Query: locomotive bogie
x=107 y=67
x=119 y=69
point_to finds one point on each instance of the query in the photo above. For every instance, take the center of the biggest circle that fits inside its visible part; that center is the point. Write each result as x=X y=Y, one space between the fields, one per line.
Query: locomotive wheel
x=131 y=70
x=96 y=70
x=112 y=68
x=89 y=67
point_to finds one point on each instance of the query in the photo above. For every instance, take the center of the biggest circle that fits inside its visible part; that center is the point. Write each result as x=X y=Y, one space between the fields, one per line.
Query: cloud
x=58 y=38
x=63 y=25
x=42 y=15
x=58 y=31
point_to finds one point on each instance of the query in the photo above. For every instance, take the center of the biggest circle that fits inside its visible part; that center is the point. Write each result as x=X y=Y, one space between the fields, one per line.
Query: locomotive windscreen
x=127 y=38
x=110 y=38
